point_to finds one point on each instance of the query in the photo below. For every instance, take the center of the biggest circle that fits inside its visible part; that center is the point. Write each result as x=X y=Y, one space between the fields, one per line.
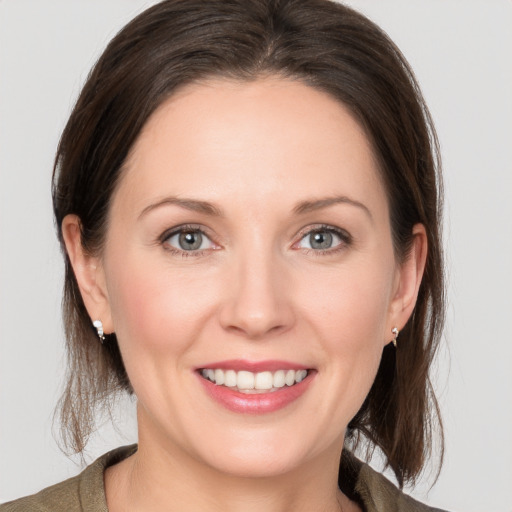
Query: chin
x=264 y=454
x=256 y=464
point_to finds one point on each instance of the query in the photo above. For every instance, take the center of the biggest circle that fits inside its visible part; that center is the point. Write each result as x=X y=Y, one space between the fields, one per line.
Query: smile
x=254 y=383
x=250 y=387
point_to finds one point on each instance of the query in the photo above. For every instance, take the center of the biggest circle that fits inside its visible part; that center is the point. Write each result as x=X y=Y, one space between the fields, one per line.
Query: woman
x=248 y=199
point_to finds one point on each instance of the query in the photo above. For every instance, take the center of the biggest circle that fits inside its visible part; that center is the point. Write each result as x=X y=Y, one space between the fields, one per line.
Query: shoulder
x=374 y=491
x=61 y=497
x=82 y=493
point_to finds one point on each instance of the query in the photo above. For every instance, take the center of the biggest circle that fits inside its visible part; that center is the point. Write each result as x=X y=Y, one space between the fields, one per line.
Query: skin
x=256 y=291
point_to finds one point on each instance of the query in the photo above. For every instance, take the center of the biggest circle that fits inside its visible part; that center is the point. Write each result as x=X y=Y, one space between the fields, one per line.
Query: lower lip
x=259 y=403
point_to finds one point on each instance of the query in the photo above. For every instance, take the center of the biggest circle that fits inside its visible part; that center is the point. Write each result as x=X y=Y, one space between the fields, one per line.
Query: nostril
x=255 y=330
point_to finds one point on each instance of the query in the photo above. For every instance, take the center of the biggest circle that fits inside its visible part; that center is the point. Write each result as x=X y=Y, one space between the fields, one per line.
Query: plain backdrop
x=462 y=54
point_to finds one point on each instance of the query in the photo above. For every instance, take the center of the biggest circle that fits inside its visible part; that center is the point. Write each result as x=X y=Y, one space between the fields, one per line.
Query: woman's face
x=249 y=242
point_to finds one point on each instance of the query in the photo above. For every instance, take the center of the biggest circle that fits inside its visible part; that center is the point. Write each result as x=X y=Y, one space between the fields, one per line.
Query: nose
x=258 y=299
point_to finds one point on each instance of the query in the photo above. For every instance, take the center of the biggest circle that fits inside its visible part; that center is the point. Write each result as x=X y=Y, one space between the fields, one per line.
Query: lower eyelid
x=185 y=254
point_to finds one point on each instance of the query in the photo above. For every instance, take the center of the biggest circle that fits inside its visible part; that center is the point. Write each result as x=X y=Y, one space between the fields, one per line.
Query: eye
x=324 y=239
x=188 y=239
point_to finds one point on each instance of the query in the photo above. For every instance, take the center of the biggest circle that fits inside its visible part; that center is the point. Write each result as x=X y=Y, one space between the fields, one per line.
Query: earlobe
x=410 y=274
x=88 y=271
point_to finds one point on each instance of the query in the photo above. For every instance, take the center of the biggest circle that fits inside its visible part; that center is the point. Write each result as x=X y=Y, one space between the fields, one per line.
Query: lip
x=261 y=403
x=254 y=366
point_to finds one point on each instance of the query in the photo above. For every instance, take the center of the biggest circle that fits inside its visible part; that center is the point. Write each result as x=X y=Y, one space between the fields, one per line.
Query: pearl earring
x=99 y=328
x=395 y=332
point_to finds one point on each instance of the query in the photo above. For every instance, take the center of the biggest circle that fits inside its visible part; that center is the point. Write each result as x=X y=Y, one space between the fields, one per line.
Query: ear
x=89 y=273
x=408 y=281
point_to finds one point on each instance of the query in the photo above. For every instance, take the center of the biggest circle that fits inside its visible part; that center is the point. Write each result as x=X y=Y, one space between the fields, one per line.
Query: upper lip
x=270 y=365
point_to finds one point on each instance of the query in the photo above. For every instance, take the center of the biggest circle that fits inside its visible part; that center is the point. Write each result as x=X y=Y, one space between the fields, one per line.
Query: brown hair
x=326 y=45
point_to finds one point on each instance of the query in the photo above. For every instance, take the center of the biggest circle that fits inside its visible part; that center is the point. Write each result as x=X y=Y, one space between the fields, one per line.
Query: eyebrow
x=318 y=204
x=188 y=204
x=207 y=208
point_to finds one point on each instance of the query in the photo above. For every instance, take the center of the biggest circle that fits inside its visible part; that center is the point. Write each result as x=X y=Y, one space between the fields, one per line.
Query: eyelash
x=166 y=235
x=344 y=236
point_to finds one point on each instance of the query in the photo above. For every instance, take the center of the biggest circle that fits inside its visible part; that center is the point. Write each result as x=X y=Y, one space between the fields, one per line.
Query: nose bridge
x=258 y=301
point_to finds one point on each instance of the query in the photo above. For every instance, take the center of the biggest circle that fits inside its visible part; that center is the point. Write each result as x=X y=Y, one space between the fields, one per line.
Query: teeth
x=279 y=379
x=229 y=379
x=289 y=379
x=218 y=376
x=264 y=380
x=300 y=375
x=246 y=381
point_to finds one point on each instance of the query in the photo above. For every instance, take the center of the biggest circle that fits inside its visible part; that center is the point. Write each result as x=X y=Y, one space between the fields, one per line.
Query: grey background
x=461 y=52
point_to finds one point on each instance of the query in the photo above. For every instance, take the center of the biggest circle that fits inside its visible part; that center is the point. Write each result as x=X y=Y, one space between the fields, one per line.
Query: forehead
x=258 y=138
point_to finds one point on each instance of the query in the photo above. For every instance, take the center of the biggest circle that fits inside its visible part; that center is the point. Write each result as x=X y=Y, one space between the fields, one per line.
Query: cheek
x=353 y=306
x=350 y=317
x=153 y=308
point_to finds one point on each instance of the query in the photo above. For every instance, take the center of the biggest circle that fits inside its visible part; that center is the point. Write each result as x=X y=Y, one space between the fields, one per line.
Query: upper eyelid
x=184 y=227
x=325 y=227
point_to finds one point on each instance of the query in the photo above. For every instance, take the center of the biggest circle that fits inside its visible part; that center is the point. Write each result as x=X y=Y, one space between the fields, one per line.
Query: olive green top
x=86 y=492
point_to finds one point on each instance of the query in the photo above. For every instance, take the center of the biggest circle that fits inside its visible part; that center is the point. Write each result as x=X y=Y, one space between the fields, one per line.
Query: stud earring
x=99 y=329
x=395 y=332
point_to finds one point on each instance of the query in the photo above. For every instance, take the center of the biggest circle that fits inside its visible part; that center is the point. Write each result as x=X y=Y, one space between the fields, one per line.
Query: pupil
x=321 y=240
x=190 y=241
